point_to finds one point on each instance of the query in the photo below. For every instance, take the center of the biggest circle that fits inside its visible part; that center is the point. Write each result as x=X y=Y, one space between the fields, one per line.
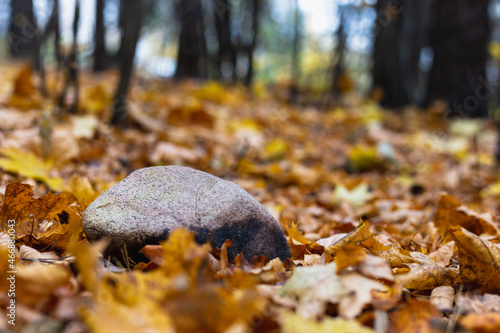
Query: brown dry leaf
x=26 y=252
x=300 y=245
x=376 y=268
x=442 y=298
x=428 y=275
x=169 y=152
x=360 y=293
x=315 y=286
x=478 y=303
x=451 y=213
x=48 y=220
x=396 y=256
x=23 y=87
x=11 y=119
x=36 y=282
x=349 y=255
x=482 y=323
x=189 y=114
x=358 y=235
x=153 y=253
x=443 y=255
x=24 y=96
x=414 y=316
x=479 y=259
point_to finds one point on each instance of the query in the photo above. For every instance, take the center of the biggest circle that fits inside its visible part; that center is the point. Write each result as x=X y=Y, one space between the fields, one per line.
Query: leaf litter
x=393 y=225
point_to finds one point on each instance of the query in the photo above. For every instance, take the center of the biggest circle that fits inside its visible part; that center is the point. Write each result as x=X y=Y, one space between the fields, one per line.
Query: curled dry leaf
x=51 y=220
x=479 y=259
x=442 y=298
x=451 y=213
x=428 y=275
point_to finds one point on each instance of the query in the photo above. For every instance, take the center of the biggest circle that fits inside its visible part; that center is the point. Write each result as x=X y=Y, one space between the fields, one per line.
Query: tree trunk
x=400 y=36
x=338 y=66
x=255 y=10
x=51 y=27
x=100 y=55
x=226 y=57
x=132 y=13
x=295 y=70
x=191 y=56
x=71 y=83
x=459 y=36
x=23 y=29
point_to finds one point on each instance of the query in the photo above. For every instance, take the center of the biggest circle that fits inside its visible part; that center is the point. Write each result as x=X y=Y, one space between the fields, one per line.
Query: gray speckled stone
x=145 y=206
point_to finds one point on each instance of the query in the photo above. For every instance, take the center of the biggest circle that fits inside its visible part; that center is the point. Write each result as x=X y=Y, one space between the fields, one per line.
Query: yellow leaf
x=81 y=188
x=29 y=165
x=276 y=149
x=357 y=196
x=366 y=158
x=214 y=92
x=358 y=235
x=293 y=323
x=494 y=49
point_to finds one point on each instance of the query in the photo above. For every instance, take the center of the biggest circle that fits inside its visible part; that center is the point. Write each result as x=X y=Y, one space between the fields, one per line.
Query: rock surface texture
x=144 y=207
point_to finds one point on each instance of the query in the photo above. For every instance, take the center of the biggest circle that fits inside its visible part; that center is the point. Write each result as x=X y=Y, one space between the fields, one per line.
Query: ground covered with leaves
x=391 y=218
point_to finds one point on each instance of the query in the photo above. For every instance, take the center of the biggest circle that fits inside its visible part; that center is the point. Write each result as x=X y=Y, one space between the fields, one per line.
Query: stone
x=145 y=206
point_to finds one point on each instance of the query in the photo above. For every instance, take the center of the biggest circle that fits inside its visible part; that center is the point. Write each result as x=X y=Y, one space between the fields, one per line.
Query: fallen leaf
x=28 y=164
x=479 y=259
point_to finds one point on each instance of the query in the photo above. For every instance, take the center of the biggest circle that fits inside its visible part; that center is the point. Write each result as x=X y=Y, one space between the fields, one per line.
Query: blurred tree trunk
x=295 y=70
x=23 y=29
x=191 y=56
x=226 y=57
x=400 y=30
x=70 y=102
x=51 y=27
x=459 y=36
x=338 y=68
x=131 y=17
x=254 y=8
x=100 y=55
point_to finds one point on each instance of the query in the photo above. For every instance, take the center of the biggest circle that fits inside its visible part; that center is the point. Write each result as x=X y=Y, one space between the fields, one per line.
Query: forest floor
x=392 y=218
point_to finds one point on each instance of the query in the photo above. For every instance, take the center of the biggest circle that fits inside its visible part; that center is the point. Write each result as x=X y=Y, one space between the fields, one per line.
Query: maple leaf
x=357 y=196
x=28 y=164
x=50 y=220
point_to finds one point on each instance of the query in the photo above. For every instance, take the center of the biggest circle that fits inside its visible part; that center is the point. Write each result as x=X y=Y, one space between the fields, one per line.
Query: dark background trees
x=459 y=35
x=407 y=52
x=22 y=29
